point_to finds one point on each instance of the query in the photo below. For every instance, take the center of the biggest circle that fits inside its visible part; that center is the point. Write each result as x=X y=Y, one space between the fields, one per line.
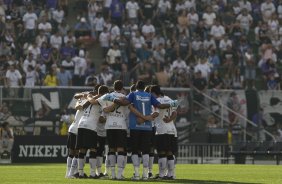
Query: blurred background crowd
x=228 y=44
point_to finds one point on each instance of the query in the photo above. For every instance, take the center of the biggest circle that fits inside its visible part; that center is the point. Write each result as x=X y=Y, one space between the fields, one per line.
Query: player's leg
x=74 y=171
x=152 y=154
x=70 y=155
x=170 y=157
x=135 y=144
x=121 y=144
x=145 y=148
x=162 y=160
x=80 y=145
x=100 y=155
x=112 y=152
x=93 y=154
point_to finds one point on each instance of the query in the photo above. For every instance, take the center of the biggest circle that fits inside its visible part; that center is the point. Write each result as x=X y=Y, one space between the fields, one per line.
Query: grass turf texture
x=196 y=174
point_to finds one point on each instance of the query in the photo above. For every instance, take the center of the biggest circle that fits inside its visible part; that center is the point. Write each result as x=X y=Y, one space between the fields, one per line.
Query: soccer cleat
x=135 y=177
x=144 y=178
x=101 y=175
x=169 y=178
x=83 y=177
x=94 y=177
x=150 y=175
x=76 y=175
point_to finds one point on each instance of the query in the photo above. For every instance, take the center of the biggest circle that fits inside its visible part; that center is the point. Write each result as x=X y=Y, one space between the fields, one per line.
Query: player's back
x=142 y=102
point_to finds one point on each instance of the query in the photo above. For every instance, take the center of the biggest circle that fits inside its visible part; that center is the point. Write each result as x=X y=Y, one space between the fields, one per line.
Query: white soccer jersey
x=101 y=131
x=116 y=119
x=90 y=117
x=161 y=126
x=73 y=127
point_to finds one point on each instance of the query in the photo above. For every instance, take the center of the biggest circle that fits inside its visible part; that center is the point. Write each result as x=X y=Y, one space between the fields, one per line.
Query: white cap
x=83 y=19
x=81 y=53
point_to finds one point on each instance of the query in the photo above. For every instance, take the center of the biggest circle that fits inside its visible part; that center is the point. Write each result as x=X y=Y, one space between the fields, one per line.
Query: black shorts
x=153 y=138
x=116 y=138
x=71 y=141
x=175 y=146
x=128 y=145
x=165 y=142
x=101 y=142
x=140 y=140
x=86 y=139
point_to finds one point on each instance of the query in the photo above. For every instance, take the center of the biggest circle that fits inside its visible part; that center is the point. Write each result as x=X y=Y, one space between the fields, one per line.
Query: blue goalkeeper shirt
x=143 y=102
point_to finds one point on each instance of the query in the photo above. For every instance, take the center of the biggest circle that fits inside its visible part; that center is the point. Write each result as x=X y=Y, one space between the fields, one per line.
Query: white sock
x=170 y=164
x=162 y=166
x=151 y=162
x=99 y=164
x=121 y=165
x=92 y=163
x=81 y=162
x=112 y=160
x=136 y=164
x=73 y=167
x=145 y=159
x=107 y=164
x=125 y=162
x=69 y=161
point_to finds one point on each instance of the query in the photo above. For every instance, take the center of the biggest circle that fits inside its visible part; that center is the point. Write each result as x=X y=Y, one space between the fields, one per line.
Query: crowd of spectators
x=228 y=43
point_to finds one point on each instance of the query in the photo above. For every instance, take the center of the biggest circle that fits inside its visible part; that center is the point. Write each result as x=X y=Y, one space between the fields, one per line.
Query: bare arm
x=140 y=115
x=122 y=101
x=93 y=99
x=110 y=108
x=163 y=106
x=171 y=118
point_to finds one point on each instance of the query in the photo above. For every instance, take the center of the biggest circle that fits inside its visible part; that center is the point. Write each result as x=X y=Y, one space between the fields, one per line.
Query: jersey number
x=118 y=112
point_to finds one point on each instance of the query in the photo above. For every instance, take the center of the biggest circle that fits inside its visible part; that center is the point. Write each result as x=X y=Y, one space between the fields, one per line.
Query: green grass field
x=196 y=174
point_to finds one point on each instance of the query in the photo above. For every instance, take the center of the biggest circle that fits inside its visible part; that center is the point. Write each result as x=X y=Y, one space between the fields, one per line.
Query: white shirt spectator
x=246 y=5
x=146 y=29
x=13 y=77
x=132 y=9
x=27 y=62
x=193 y=18
x=196 y=45
x=35 y=50
x=179 y=6
x=164 y=6
x=58 y=15
x=267 y=9
x=99 y=23
x=209 y=44
x=190 y=4
x=56 y=41
x=217 y=31
x=29 y=20
x=45 y=26
x=80 y=66
x=279 y=11
x=107 y=3
x=112 y=54
x=138 y=42
x=224 y=43
x=204 y=68
x=115 y=32
x=179 y=64
x=273 y=25
x=245 y=20
x=40 y=39
x=209 y=18
x=68 y=38
x=104 y=39
x=30 y=78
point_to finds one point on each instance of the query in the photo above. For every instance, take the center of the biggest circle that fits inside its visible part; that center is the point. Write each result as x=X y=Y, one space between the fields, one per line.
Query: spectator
x=104 y=39
x=272 y=83
x=117 y=12
x=200 y=83
x=203 y=67
x=45 y=26
x=58 y=15
x=6 y=138
x=79 y=69
x=30 y=21
x=112 y=54
x=132 y=9
x=211 y=122
x=56 y=40
x=13 y=81
x=245 y=20
x=51 y=78
x=82 y=28
x=31 y=78
x=215 y=81
x=64 y=77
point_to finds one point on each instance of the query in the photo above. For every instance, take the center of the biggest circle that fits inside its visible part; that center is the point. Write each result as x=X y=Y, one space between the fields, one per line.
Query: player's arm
x=80 y=95
x=139 y=114
x=172 y=117
x=110 y=108
x=93 y=99
x=102 y=118
x=157 y=104
x=118 y=101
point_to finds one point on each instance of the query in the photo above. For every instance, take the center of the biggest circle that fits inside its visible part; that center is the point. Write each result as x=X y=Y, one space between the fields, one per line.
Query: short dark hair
x=140 y=85
x=103 y=90
x=96 y=88
x=132 y=88
x=118 y=85
x=156 y=89
x=5 y=124
x=148 y=89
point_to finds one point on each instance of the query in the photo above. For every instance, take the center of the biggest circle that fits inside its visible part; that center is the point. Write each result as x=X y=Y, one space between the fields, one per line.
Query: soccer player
x=116 y=130
x=72 y=133
x=140 y=130
x=87 y=135
x=165 y=135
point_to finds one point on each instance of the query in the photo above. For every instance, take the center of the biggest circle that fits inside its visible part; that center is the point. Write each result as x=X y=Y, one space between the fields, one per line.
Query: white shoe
x=135 y=177
x=144 y=178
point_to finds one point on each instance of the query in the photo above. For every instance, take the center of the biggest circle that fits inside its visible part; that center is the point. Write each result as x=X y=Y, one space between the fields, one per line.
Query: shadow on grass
x=187 y=181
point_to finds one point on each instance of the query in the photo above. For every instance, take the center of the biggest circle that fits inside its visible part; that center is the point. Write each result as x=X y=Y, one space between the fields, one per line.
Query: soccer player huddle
x=135 y=125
